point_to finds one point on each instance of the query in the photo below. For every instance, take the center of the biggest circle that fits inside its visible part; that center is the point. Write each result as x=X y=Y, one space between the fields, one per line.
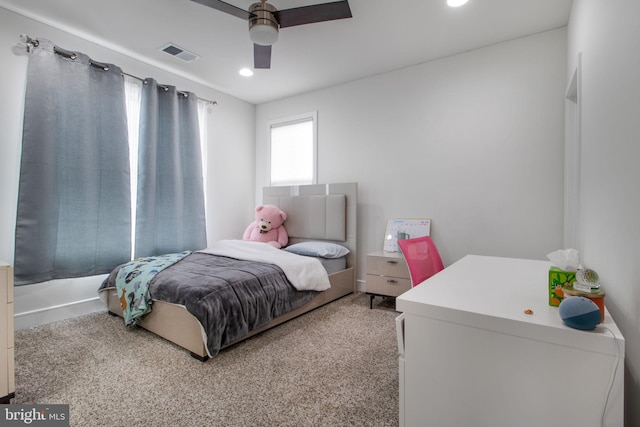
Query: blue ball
x=580 y=313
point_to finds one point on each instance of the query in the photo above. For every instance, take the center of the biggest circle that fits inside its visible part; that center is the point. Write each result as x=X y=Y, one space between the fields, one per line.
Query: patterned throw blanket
x=132 y=283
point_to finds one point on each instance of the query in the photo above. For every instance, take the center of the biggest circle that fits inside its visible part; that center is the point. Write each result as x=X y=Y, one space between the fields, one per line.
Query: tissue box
x=558 y=280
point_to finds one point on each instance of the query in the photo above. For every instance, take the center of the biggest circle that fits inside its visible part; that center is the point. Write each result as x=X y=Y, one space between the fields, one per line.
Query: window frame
x=292 y=120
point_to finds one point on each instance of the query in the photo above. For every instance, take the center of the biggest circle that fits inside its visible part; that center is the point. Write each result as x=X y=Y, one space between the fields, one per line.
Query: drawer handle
x=392 y=281
x=392 y=262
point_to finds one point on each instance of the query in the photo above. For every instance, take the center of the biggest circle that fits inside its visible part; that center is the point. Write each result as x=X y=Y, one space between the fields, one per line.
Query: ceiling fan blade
x=314 y=13
x=225 y=7
x=261 y=56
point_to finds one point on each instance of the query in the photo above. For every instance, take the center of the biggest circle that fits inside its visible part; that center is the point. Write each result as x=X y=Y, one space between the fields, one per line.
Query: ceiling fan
x=265 y=21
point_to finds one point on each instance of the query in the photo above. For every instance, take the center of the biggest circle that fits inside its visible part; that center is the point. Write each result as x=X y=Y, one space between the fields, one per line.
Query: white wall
x=607 y=35
x=230 y=162
x=473 y=141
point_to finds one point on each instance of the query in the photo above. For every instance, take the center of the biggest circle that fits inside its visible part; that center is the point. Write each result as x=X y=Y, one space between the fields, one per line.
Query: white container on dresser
x=7 y=384
x=470 y=355
x=387 y=274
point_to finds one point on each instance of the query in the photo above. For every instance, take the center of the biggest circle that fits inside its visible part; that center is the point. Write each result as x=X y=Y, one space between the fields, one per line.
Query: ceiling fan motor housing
x=263 y=25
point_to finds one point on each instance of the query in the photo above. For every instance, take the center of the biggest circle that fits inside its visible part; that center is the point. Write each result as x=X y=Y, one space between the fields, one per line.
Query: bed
x=324 y=213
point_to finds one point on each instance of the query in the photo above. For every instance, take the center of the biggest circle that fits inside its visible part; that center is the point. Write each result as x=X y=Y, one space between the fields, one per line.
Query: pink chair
x=422 y=258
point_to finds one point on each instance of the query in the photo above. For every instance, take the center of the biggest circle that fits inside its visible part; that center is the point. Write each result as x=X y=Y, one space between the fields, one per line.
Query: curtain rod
x=208 y=101
x=31 y=43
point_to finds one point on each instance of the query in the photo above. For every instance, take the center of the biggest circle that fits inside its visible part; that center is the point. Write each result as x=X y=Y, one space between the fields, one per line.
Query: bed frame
x=314 y=212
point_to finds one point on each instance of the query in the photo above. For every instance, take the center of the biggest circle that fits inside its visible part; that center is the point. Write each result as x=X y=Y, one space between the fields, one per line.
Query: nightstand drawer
x=383 y=266
x=386 y=285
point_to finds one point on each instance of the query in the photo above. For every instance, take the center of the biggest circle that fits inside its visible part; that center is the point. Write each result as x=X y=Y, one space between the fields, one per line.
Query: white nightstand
x=387 y=275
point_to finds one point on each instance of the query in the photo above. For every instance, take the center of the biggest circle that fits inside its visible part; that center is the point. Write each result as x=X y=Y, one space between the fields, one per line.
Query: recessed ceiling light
x=246 y=72
x=456 y=3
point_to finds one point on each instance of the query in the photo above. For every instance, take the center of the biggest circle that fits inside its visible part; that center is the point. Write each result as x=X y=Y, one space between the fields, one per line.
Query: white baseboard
x=46 y=315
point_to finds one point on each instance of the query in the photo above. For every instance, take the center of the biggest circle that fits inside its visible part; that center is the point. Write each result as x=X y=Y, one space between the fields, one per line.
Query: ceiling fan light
x=264 y=35
x=263 y=25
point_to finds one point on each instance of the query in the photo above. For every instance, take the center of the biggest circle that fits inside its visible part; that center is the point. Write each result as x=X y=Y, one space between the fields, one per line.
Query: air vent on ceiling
x=179 y=52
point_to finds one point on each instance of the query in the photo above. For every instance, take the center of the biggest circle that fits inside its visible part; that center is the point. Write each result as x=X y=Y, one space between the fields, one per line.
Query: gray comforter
x=229 y=297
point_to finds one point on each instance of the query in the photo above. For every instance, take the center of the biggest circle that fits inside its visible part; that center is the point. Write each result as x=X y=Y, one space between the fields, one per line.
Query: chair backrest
x=422 y=258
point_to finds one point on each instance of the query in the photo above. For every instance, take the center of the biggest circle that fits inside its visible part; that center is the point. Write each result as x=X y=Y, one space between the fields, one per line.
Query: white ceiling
x=382 y=36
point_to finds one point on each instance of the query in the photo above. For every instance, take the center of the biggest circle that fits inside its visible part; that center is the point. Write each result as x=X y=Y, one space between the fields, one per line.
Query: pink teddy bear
x=268 y=227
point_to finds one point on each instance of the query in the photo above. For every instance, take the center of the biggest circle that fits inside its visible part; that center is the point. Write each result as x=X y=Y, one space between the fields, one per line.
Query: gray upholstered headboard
x=315 y=217
x=318 y=212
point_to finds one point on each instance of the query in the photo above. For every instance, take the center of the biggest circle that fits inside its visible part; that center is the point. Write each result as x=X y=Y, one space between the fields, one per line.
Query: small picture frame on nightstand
x=402 y=229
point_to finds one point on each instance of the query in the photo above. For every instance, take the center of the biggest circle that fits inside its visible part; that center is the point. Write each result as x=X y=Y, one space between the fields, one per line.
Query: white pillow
x=318 y=249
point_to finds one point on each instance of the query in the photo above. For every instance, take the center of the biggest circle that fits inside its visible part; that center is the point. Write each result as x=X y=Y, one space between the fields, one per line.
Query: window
x=293 y=150
x=132 y=92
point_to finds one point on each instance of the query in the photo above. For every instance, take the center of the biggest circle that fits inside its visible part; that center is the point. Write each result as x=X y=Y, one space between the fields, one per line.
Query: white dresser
x=470 y=355
x=7 y=385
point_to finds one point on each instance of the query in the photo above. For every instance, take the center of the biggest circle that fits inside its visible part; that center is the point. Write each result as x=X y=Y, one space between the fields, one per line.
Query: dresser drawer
x=386 y=285
x=7 y=383
x=383 y=266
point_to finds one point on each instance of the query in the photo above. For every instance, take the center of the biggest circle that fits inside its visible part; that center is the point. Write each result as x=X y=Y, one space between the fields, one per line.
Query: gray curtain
x=170 y=214
x=74 y=202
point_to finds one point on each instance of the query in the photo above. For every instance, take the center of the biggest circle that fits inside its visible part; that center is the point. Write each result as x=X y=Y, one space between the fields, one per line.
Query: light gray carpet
x=335 y=366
